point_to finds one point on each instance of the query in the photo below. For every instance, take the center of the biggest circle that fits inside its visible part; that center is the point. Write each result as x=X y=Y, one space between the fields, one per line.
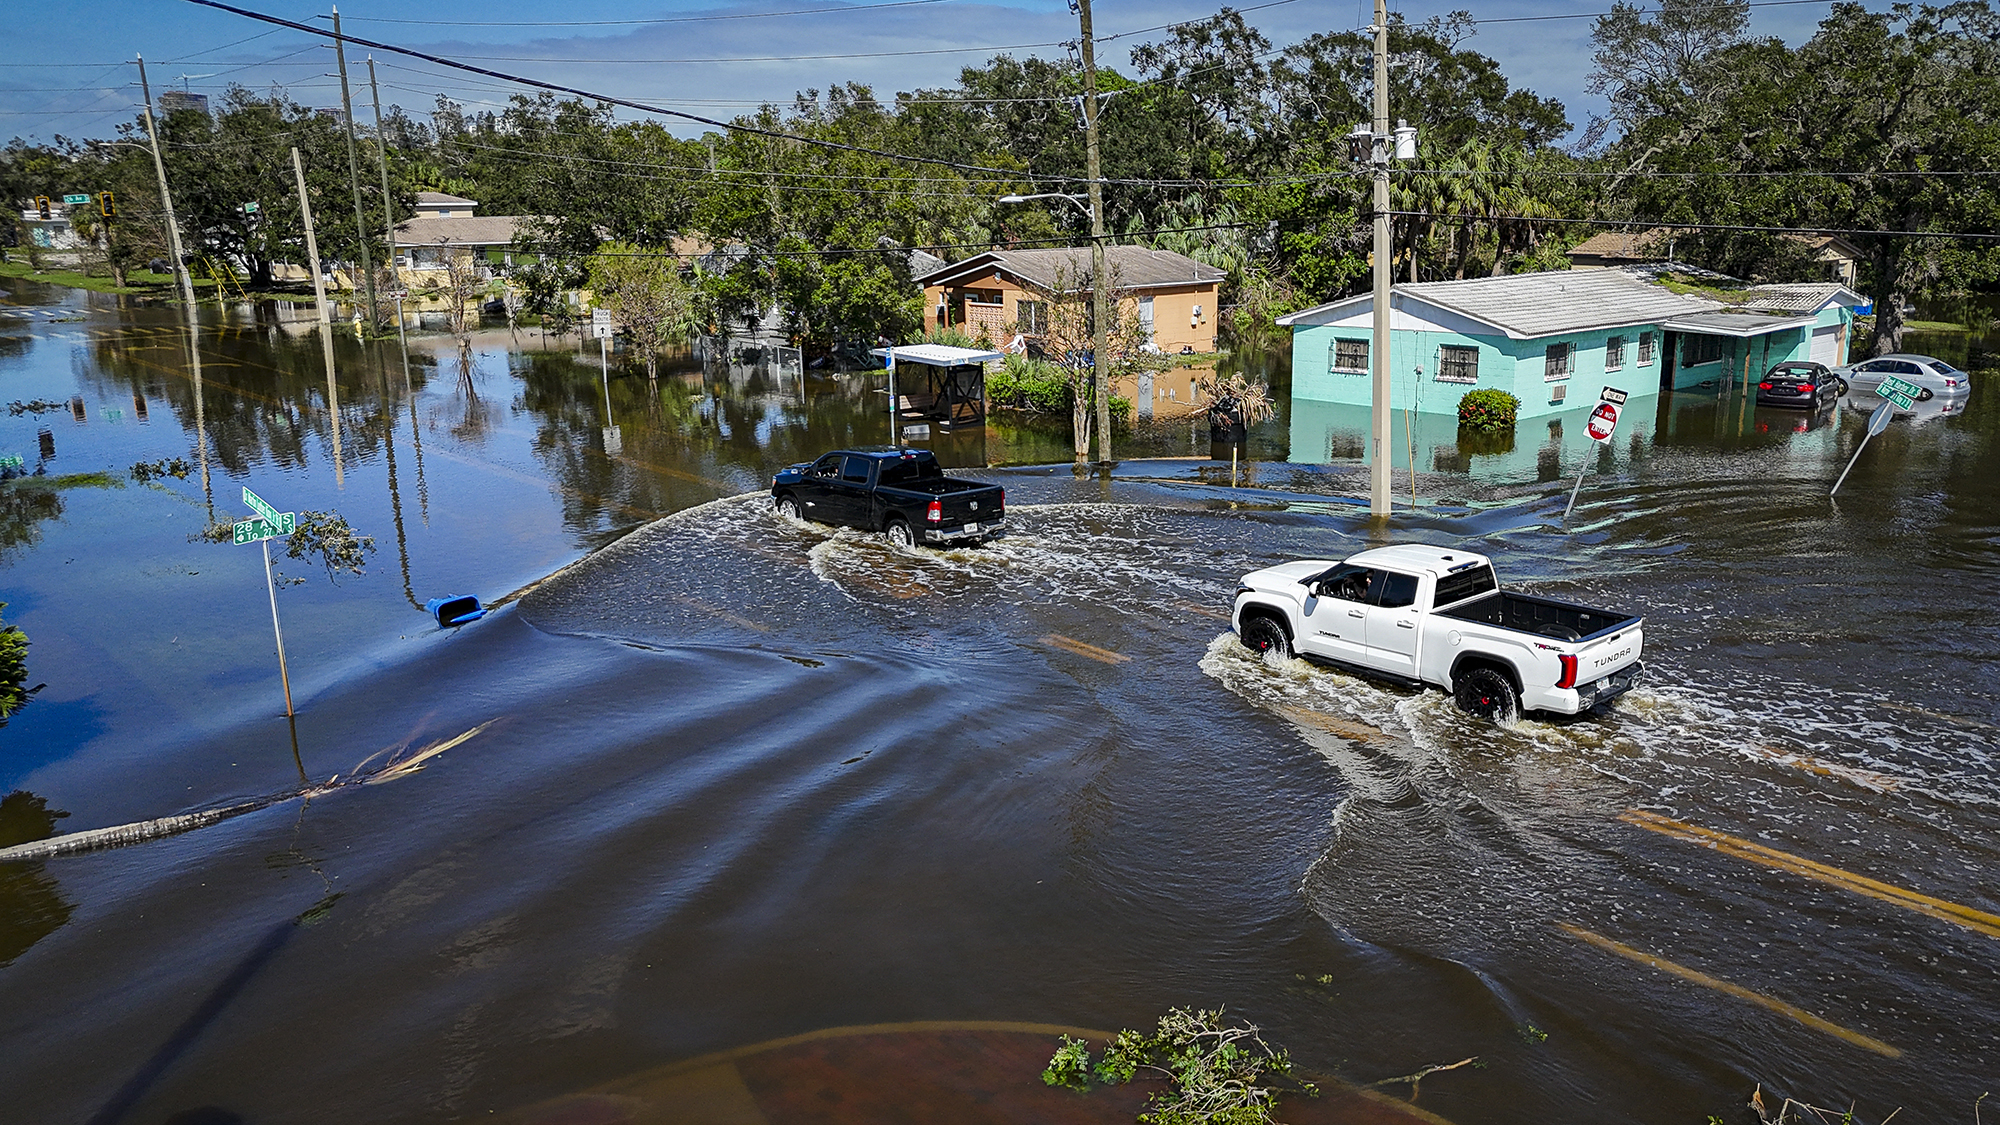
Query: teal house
x=1554 y=339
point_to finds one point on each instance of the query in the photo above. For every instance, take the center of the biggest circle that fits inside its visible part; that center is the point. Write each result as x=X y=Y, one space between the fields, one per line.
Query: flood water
x=726 y=779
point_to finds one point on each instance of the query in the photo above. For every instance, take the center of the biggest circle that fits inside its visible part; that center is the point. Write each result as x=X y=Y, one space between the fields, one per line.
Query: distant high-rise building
x=172 y=100
x=337 y=116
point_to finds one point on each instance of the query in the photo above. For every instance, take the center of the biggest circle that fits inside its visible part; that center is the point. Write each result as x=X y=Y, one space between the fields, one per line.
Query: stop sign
x=1603 y=420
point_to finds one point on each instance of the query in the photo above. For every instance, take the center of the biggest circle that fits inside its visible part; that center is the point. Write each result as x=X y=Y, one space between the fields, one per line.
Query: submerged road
x=775 y=816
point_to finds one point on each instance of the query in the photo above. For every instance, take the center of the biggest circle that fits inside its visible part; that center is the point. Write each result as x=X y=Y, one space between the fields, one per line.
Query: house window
x=1031 y=318
x=1645 y=349
x=982 y=296
x=1700 y=349
x=1348 y=355
x=1557 y=366
x=1614 y=353
x=1458 y=364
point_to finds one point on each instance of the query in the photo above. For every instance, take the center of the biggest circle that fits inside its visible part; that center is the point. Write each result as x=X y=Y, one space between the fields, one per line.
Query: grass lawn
x=141 y=281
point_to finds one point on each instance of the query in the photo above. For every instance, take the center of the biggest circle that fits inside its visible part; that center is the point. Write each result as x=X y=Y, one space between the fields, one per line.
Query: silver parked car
x=1935 y=376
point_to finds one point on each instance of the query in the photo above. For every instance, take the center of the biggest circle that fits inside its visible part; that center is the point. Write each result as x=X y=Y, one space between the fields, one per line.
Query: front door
x=1670 y=350
x=1336 y=615
x=816 y=501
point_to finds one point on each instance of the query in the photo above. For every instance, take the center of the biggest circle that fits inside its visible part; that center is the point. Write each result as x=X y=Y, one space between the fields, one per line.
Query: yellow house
x=1005 y=293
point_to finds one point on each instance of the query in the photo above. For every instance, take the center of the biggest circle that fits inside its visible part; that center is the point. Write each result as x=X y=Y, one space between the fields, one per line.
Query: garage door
x=1826 y=345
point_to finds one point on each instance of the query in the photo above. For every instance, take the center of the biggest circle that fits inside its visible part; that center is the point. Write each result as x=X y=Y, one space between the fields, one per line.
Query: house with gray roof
x=1538 y=335
x=447 y=226
x=1004 y=294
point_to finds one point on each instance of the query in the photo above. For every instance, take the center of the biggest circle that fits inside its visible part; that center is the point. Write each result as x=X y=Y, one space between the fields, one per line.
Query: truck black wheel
x=1487 y=694
x=788 y=507
x=1264 y=636
x=900 y=535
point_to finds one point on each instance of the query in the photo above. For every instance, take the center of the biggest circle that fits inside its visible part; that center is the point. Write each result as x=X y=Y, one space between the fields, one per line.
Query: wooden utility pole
x=354 y=173
x=388 y=212
x=1100 y=282
x=179 y=266
x=1379 y=502
x=325 y=317
x=166 y=197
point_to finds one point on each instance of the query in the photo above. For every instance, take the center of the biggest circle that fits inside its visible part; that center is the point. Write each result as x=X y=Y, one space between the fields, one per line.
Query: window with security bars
x=1645 y=349
x=1557 y=366
x=1458 y=364
x=1614 y=353
x=1348 y=355
x=1700 y=349
x=1031 y=318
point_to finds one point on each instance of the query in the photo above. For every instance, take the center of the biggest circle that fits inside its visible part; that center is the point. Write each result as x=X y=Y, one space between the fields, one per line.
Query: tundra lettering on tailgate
x=1612 y=659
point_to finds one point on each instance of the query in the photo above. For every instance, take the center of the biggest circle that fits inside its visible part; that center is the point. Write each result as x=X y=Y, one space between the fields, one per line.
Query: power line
x=1741 y=228
x=1642 y=11
x=630 y=23
x=760 y=58
x=626 y=102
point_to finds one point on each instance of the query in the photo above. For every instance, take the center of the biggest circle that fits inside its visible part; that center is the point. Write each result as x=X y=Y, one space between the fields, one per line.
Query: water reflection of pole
x=187 y=288
x=325 y=319
x=395 y=494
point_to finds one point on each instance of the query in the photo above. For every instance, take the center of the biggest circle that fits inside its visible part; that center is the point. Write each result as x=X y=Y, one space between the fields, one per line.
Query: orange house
x=1004 y=293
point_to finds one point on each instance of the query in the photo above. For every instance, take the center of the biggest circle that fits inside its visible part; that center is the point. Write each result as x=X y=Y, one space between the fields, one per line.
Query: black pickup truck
x=899 y=492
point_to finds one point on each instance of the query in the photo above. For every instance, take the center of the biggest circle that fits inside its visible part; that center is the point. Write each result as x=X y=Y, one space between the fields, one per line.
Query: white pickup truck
x=1434 y=616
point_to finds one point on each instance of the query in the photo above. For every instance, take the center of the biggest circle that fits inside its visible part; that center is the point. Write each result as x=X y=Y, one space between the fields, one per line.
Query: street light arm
x=1080 y=200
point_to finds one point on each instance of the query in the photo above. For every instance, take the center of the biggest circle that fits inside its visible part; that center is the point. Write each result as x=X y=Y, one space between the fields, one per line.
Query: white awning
x=938 y=355
x=1740 y=325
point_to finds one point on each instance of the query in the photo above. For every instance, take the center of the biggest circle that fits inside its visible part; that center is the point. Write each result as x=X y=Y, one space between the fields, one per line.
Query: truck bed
x=935 y=486
x=1544 y=617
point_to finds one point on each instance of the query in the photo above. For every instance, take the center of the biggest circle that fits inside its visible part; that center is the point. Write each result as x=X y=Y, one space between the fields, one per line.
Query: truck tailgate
x=1602 y=656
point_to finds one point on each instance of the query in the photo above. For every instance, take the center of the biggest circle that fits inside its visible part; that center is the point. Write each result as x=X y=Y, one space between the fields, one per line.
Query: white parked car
x=1936 y=376
x=1428 y=615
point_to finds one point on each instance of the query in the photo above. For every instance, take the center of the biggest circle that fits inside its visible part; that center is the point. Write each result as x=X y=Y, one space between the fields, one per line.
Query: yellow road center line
x=1205 y=611
x=1071 y=644
x=1978 y=921
x=1698 y=977
x=1820 y=767
x=1349 y=729
x=722 y=614
x=1953 y=719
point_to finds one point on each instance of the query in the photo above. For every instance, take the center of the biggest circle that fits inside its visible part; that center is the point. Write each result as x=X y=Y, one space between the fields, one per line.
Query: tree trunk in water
x=1080 y=407
x=260 y=273
x=1888 y=300
x=1888 y=324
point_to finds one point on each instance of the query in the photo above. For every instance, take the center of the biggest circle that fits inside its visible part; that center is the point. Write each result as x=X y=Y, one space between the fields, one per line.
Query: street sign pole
x=1603 y=423
x=271 y=587
x=1574 y=488
x=1877 y=422
x=268 y=524
x=895 y=416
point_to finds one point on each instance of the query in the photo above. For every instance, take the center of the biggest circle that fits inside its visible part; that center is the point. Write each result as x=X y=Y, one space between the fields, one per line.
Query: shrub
x=1215 y=1073
x=1488 y=410
x=14 y=690
x=1029 y=384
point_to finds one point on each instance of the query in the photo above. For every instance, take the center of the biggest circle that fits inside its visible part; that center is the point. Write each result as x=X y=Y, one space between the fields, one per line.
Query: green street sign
x=1900 y=399
x=1892 y=387
x=75 y=199
x=256 y=530
x=257 y=505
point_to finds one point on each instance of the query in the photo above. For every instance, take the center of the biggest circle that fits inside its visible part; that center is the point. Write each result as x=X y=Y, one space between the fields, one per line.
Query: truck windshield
x=904 y=470
x=1462 y=584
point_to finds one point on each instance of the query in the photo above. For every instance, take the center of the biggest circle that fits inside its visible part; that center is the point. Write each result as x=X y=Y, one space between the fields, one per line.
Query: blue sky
x=68 y=70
